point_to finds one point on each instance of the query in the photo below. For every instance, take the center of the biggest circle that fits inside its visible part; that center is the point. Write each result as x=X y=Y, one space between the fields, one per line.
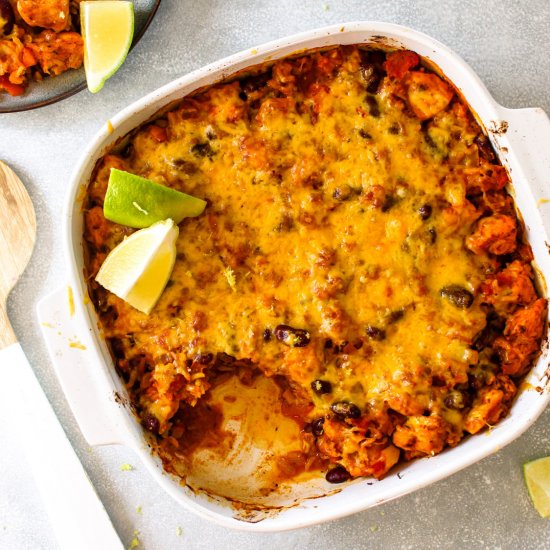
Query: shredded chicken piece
x=49 y=14
x=57 y=52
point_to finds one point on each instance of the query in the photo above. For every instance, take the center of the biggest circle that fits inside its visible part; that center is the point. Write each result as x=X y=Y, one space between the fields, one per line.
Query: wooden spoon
x=77 y=515
x=17 y=236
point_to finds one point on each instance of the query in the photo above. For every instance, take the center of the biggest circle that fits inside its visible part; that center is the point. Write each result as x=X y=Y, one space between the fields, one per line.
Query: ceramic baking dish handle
x=528 y=132
x=72 y=351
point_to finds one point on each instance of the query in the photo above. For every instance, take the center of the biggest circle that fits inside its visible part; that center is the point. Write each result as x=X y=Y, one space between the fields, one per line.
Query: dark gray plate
x=51 y=90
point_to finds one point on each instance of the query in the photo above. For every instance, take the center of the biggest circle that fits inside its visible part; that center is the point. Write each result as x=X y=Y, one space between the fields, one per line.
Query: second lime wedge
x=138 y=202
x=537 y=479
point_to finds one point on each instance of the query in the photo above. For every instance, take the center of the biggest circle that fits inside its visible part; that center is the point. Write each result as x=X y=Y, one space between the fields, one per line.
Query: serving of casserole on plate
x=41 y=50
x=358 y=293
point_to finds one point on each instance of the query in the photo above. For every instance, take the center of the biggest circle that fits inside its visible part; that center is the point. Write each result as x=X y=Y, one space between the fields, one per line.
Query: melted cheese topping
x=334 y=210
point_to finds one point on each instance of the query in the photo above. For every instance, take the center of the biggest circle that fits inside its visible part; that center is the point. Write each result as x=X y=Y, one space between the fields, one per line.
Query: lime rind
x=138 y=202
x=95 y=81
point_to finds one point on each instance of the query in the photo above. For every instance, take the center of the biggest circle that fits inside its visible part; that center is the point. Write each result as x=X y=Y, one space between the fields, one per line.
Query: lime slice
x=537 y=479
x=107 y=29
x=138 y=269
x=138 y=202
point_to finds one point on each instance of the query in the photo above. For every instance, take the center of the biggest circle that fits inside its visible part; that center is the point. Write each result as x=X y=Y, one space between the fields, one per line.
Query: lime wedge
x=107 y=29
x=537 y=479
x=138 y=202
x=138 y=269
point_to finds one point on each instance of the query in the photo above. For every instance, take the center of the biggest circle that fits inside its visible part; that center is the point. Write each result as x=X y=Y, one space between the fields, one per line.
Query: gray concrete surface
x=486 y=506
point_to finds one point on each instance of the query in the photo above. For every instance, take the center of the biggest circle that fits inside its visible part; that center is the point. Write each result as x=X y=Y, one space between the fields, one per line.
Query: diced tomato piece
x=158 y=133
x=398 y=63
x=28 y=58
x=12 y=89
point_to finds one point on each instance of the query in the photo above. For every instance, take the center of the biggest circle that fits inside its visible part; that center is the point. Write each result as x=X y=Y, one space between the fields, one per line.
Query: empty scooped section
x=240 y=445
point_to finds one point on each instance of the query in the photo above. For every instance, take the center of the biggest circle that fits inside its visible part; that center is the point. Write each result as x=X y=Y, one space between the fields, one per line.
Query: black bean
x=254 y=83
x=425 y=211
x=204 y=358
x=458 y=296
x=7 y=18
x=243 y=96
x=394 y=129
x=328 y=343
x=293 y=337
x=317 y=427
x=358 y=344
x=320 y=387
x=225 y=359
x=151 y=423
x=371 y=77
x=476 y=381
x=396 y=315
x=337 y=475
x=344 y=409
x=364 y=134
x=342 y=193
x=377 y=58
x=438 y=381
x=372 y=69
x=266 y=335
x=117 y=347
x=389 y=202
x=484 y=146
x=374 y=110
x=372 y=88
x=455 y=400
x=375 y=333
x=339 y=348
x=185 y=166
x=203 y=150
x=128 y=151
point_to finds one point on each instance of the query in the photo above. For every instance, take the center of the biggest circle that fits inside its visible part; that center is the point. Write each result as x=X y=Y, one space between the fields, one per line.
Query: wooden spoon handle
x=7 y=336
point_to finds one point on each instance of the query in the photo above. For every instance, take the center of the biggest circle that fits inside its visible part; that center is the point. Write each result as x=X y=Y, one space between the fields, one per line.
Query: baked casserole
x=359 y=248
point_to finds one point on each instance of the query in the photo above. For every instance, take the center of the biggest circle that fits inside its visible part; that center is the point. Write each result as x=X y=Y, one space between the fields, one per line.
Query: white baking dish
x=85 y=368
